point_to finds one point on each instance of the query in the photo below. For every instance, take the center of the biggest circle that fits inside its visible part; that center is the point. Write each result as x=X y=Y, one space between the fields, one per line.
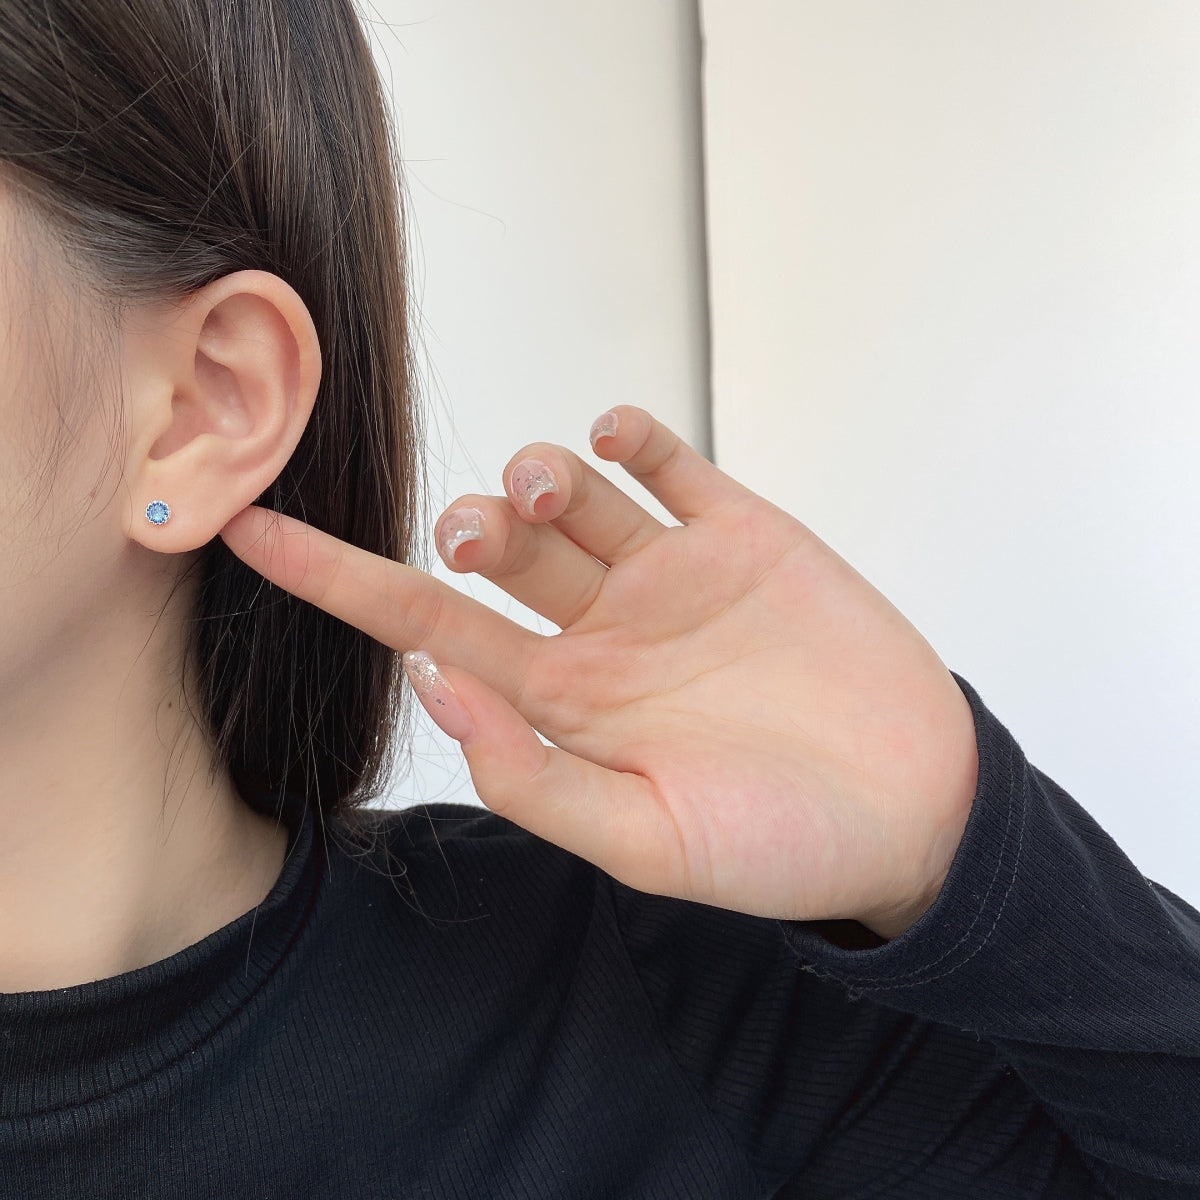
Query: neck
x=120 y=845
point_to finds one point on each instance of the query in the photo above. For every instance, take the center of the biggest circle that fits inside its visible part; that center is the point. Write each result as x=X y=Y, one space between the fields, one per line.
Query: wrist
x=890 y=925
x=891 y=922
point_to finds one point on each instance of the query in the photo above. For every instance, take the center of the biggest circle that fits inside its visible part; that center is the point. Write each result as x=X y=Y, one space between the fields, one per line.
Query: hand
x=737 y=716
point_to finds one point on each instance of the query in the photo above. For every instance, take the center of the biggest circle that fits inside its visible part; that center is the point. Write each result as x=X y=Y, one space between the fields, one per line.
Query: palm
x=737 y=717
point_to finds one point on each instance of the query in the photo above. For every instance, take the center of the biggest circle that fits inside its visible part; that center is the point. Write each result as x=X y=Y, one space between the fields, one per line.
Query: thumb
x=611 y=818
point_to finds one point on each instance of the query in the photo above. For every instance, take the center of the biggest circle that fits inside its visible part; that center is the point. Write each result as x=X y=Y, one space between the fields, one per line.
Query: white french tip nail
x=604 y=425
x=461 y=525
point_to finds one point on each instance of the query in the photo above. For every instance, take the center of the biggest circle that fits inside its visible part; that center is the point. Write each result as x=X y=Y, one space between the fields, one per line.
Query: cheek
x=61 y=559
x=61 y=537
x=59 y=483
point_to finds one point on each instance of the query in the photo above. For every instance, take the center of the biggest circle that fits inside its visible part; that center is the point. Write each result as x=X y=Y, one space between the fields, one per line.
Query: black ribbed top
x=470 y=1011
x=67 y=1046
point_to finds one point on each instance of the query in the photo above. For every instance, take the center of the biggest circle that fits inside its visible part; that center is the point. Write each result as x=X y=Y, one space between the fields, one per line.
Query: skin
x=737 y=716
x=122 y=842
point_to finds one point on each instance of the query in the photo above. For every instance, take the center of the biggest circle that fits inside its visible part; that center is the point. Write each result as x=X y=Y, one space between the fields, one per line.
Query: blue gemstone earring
x=158 y=512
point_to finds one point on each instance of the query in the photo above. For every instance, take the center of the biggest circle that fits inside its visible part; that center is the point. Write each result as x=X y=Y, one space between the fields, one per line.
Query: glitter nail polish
x=437 y=696
x=531 y=479
x=458 y=526
x=605 y=425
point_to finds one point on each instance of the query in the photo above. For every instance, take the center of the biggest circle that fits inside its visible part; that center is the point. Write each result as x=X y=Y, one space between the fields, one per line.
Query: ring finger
x=546 y=482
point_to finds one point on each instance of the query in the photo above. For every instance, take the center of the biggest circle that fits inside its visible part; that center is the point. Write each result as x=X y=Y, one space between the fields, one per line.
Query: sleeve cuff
x=958 y=923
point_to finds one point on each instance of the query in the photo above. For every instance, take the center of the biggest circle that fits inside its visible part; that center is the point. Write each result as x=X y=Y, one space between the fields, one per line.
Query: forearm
x=1046 y=941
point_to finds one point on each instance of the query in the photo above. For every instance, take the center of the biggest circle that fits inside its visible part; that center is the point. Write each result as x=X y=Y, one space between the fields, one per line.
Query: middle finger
x=535 y=564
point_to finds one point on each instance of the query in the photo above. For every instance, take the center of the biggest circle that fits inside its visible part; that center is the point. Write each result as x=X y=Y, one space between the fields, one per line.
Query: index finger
x=399 y=605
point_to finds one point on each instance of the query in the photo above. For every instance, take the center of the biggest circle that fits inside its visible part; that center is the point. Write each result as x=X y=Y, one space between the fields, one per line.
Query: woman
x=783 y=911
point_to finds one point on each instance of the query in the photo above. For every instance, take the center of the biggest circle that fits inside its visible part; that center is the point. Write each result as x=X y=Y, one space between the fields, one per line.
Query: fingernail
x=605 y=425
x=531 y=479
x=437 y=697
x=458 y=526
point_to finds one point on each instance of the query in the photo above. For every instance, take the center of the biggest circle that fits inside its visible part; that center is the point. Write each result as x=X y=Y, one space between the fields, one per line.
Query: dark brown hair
x=166 y=145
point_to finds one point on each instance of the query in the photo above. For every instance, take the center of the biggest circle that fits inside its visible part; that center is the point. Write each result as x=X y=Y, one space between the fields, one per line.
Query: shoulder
x=461 y=864
x=466 y=833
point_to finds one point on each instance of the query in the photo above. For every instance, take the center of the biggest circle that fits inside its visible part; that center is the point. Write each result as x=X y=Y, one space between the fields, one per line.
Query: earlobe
x=221 y=398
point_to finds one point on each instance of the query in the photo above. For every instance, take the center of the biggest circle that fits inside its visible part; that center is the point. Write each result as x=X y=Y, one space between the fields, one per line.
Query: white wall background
x=954 y=257
x=955 y=253
x=553 y=171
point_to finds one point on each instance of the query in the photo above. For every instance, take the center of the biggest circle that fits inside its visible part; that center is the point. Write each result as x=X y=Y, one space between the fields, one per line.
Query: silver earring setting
x=158 y=512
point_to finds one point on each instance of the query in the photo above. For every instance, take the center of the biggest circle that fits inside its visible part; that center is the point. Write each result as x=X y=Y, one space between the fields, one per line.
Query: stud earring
x=158 y=512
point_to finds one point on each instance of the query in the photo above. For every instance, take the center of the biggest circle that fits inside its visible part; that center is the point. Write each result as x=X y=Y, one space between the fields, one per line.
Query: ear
x=220 y=389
